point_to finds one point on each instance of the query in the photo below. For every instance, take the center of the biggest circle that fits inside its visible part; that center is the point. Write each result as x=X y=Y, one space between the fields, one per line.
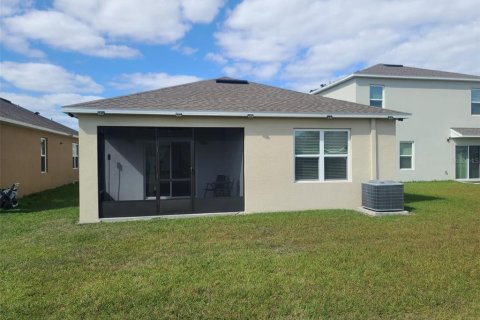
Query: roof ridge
x=371 y=71
x=137 y=93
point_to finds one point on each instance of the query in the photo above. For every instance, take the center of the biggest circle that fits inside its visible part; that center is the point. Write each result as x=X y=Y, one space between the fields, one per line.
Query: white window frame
x=42 y=155
x=321 y=157
x=75 y=155
x=383 y=95
x=468 y=162
x=472 y=102
x=412 y=156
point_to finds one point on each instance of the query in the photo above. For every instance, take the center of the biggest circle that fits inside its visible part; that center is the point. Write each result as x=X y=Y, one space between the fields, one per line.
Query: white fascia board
x=24 y=124
x=354 y=75
x=231 y=114
x=457 y=135
x=333 y=84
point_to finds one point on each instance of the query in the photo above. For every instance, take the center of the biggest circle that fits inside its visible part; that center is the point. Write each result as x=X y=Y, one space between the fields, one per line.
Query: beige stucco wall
x=20 y=159
x=344 y=91
x=436 y=106
x=269 y=160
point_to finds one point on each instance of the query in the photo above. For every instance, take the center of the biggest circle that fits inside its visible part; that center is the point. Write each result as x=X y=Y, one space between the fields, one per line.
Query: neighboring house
x=35 y=151
x=228 y=145
x=441 y=140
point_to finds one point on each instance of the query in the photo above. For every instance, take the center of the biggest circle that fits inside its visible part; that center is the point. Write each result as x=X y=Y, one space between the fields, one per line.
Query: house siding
x=269 y=160
x=436 y=106
x=20 y=159
x=346 y=91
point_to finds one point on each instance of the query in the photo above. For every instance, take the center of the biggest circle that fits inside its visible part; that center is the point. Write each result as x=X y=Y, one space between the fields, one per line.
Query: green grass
x=316 y=264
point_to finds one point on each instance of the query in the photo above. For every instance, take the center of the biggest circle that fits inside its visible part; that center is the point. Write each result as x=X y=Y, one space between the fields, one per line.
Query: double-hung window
x=406 y=155
x=321 y=155
x=476 y=101
x=75 y=155
x=376 y=96
x=43 y=155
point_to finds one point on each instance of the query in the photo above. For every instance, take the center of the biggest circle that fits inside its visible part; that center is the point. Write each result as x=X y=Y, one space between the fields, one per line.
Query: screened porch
x=161 y=171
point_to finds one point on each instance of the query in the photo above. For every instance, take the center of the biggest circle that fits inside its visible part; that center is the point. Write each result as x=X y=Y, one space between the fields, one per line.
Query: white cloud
x=49 y=105
x=64 y=32
x=320 y=39
x=186 y=50
x=92 y=27
x=10 y=7
x=148 y=81
x=215 y=57
x=156 y=21
x=201 y=11
x=448 y=48
x=44 y=77
x=259 y=71
x=19 y=44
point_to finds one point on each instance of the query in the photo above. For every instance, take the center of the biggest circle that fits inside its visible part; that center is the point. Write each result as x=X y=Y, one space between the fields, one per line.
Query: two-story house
x=441 y=140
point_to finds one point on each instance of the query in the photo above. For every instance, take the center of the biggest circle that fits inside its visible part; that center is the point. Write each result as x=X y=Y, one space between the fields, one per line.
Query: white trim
x=44 y=155
x=383 y=95
x=456 y=135
x=321 y=156
x=179 y=113
x=467 y=179
x=24 y=124
x=75 y=154
x=412 y=156
x=474 y=102
x=353 y=75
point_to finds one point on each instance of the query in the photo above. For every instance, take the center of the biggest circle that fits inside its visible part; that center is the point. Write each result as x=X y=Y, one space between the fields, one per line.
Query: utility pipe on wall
x=373 y=150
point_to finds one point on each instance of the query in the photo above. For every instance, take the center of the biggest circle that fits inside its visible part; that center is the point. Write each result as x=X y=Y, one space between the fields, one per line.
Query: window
x=43 y=155
x=321 y=155
x=75 y=155
x=467 y=162
x=476 y=101
x=406 y=155
x=376 y=96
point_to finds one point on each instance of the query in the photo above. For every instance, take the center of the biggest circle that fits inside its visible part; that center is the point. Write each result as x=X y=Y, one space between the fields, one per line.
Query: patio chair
x=221 y=187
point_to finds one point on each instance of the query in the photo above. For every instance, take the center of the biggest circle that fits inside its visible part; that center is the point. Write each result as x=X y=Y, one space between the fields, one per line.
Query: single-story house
x=37 y=152
x=227 y=145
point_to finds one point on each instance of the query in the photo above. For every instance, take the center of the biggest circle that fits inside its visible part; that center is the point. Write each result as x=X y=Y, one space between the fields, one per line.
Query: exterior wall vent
x=393 y=65
x=231 y=81
x=382 y=195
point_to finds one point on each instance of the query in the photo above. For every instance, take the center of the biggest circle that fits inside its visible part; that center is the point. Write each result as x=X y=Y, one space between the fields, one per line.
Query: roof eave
x=179 y=113
x=359 y=75
x=454 y=134
x=32 y=126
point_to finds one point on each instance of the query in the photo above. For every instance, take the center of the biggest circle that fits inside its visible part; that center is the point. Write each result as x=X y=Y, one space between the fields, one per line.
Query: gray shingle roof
x=468 y=132
x=404 y=71
x=217 y=96
x=11 y=111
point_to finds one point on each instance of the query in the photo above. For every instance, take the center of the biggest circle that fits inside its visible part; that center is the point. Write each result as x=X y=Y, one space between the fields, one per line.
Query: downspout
x=373 y=150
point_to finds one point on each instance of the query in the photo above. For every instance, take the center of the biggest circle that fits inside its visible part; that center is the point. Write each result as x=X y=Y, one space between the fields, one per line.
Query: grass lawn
x=316 y=264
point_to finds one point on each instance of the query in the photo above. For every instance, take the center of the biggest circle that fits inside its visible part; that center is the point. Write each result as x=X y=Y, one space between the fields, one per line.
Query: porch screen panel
x=474 y=162
x=129 y=164
x=219 y=169
x=461 y=162
x=181 y=169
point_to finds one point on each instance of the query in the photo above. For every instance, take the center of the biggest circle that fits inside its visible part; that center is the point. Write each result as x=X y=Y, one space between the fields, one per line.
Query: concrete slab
x=172 y=216
x=372 y=213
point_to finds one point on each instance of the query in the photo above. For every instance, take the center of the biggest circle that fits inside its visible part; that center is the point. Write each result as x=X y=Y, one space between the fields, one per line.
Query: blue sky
x=65 y=51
